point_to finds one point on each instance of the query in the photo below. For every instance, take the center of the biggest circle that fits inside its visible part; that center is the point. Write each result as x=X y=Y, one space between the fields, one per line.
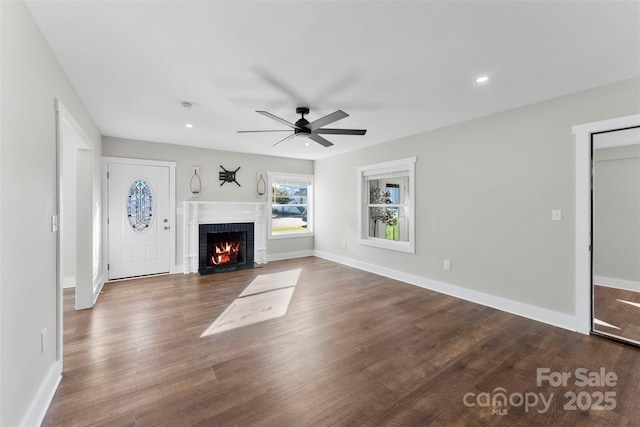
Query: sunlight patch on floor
x=601 y=323
x=267 y=297
x=635 y=304
x=272 y=281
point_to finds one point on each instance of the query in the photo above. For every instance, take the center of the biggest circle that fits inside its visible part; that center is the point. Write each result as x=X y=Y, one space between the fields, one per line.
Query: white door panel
x=139 y=233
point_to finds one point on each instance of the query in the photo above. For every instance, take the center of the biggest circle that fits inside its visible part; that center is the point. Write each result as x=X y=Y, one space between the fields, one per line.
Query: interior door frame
x=70 y=135
x=106 y=161
x=583 y=267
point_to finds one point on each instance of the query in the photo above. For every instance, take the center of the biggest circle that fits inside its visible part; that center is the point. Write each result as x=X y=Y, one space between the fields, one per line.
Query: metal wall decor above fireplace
x=225 y=247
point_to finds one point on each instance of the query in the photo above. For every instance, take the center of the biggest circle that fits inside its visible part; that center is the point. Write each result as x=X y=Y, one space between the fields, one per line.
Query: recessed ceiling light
x=482 y=79
x=307 y=144
x=189 y=125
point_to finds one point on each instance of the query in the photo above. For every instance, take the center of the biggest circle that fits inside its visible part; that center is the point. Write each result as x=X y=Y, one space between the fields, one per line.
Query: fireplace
x=225 y=247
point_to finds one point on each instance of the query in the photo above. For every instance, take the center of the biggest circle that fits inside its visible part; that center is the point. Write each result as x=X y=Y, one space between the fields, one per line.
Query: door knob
x=166 y=227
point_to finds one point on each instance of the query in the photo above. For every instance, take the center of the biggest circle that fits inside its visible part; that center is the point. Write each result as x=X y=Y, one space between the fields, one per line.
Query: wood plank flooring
x=353 y=349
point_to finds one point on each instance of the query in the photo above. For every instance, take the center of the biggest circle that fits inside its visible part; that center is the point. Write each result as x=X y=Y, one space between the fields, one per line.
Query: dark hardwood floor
x=353 y=349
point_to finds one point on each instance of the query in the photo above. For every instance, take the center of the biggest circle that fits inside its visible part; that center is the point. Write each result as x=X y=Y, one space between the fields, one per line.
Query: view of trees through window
x=385 y=209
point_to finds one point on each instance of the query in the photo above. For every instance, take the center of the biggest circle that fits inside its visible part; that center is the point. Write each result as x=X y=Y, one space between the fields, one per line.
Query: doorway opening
x=583 y=220
x=76 y=264
x=615 y=219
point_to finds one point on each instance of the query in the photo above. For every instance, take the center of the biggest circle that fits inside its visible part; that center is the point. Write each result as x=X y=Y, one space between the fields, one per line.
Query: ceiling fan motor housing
x=301 y=124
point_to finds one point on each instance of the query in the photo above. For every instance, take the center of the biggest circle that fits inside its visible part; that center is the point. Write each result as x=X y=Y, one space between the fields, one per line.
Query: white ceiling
x=397 y=68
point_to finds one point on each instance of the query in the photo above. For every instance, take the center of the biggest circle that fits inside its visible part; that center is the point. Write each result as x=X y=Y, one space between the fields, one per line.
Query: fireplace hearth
x=225 y=247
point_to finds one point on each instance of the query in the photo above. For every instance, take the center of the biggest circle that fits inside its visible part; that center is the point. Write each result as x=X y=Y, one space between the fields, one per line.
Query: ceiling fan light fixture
x=304 y=132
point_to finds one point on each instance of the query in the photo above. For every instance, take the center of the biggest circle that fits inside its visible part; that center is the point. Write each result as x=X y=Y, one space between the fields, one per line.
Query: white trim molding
x=583 y=285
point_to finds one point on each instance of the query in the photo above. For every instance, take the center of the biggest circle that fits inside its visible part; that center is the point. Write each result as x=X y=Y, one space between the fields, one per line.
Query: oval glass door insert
x=140 y=205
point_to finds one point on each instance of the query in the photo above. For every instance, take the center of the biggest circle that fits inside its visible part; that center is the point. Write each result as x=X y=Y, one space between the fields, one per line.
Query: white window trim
x=283 y=176
x=363 y=229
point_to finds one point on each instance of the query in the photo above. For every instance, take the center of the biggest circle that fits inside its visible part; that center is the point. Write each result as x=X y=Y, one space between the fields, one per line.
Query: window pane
x=285 y=193
x=388 y=223
x=377 y=194
x=289 y=224
x=292 y=218
x=394 y=192
x=140 y=205
x=388 y=191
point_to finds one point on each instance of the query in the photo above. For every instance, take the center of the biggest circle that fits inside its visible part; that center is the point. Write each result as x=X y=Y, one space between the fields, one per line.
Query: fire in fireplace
x=225 y=247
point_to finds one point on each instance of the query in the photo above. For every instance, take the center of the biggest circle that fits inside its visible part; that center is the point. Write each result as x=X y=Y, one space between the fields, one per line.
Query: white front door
x=139 y=226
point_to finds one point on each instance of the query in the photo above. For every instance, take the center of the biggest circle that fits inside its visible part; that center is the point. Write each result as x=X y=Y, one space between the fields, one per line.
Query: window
x=386 y=205
x=291 y=199
x=140 y=205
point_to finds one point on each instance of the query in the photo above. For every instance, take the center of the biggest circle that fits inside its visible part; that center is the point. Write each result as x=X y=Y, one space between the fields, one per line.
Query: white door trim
x=583 y=134
x=172 y=203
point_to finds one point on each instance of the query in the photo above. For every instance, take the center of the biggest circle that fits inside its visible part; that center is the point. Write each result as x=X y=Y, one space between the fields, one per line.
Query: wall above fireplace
x=196 y=213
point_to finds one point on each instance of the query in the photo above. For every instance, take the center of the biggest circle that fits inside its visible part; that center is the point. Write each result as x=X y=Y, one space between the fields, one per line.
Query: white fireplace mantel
x=196 y=213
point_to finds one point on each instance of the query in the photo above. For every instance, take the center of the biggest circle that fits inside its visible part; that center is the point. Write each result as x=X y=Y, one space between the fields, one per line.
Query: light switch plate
x=556 y=215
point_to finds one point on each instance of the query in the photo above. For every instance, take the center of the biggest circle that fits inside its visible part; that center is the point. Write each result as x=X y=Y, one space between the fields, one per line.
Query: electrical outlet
x=447 y=265
x=43 y=340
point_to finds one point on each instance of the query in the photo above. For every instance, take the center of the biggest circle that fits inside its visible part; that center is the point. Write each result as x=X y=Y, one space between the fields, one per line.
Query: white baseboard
x=610 y=282
x=40 y=404
x=289 y=255
x=69 y=282
x=539 y=314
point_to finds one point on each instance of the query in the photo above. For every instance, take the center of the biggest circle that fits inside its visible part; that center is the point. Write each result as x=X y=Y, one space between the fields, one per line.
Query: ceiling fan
x=311 y=130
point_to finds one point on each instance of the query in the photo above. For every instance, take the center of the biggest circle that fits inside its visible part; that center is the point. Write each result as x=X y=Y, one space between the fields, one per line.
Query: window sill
x=394 y=245
x=289 y=235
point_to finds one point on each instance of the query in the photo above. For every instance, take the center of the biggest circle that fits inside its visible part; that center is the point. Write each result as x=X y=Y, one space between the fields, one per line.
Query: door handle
x=166 y=227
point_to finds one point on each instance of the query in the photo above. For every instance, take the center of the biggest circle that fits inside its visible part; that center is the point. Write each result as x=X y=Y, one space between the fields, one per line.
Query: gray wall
x=30 y=78
x=484 y=194
x=209 y=162
x=616 y=213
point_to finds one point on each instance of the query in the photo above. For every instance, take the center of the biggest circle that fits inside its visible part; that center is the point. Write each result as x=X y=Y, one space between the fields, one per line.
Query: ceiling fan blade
x=320 y=140
x=342 y=131
x=329 y=118
x=286 y=138
x=251 y=131
x=278 y=119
